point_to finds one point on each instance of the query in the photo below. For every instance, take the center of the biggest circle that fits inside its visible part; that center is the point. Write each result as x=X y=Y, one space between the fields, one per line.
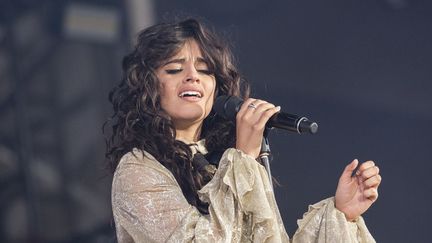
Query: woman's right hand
x=251 y=120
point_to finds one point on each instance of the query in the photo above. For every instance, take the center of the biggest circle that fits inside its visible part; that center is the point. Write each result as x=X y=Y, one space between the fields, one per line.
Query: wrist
x=249 y=152
x=348 y=216
x=351 y=218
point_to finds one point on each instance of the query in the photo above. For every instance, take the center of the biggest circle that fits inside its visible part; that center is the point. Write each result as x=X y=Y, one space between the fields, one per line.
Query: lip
x=188 y=88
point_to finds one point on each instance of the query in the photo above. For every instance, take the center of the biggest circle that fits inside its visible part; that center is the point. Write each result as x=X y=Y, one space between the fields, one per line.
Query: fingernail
x=278 y=108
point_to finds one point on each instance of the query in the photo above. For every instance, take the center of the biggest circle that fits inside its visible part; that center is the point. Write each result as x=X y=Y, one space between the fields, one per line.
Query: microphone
x=228 y=106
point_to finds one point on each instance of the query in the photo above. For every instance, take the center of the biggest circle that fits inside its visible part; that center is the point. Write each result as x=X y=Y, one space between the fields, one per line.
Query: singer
x=163 y=129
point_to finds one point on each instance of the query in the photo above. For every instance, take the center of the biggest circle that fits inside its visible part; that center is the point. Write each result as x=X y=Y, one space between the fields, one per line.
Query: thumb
x=346 y=174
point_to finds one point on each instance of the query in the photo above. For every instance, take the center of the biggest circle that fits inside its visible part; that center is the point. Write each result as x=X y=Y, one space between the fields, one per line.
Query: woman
x=164 y=190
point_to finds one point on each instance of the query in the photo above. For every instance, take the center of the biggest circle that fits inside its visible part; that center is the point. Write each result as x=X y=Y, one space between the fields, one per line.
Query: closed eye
x=205 y=71
x=173 y=71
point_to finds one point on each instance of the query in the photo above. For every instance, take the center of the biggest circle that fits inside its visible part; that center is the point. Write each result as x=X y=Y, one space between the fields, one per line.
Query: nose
x=192 y=75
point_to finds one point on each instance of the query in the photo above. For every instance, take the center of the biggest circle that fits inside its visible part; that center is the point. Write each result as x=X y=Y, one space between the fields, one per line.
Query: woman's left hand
x=355 y=194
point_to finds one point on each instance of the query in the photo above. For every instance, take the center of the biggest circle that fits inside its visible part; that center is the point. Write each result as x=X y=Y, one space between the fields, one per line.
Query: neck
x=189 y=133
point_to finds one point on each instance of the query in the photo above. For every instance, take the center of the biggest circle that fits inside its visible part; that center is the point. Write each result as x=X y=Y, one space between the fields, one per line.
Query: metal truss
x=44 y=186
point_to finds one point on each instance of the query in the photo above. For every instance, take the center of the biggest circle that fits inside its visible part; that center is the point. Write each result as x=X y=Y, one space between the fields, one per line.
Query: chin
x=189 y=117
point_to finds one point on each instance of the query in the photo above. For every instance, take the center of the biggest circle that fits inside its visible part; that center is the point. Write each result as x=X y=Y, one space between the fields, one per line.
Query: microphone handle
x=228 y=107
x=298 y=124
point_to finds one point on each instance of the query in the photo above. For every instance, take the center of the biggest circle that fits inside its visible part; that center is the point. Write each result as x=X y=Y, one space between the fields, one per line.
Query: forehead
x=190 y=49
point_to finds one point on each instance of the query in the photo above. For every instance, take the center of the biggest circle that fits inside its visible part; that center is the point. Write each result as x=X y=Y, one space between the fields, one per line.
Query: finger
x=369 y=172
x=365 y=166
x=258 y=107
x=346 y=174
x=374 y=181
x=261 y=109
x=250 y=115
x=265 y=116
x=245 y=106
x=371 y=193
x=263 y=106
x=360 y=183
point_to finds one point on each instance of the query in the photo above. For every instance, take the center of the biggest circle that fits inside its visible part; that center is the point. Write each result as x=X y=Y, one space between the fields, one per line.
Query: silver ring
x=252 y=105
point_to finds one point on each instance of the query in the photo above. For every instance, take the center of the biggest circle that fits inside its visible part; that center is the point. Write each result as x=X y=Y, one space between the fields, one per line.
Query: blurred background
x=361 y=69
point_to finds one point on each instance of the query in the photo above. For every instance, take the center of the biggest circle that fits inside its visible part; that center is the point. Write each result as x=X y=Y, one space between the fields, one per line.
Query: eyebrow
x=182 y=60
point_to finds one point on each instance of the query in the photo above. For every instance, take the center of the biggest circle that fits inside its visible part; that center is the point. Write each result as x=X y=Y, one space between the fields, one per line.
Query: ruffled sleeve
x=323 y=223
x=240 y=192
x=149 y=206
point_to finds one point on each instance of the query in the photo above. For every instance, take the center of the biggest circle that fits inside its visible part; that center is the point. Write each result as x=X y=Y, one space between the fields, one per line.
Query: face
x=187 y=86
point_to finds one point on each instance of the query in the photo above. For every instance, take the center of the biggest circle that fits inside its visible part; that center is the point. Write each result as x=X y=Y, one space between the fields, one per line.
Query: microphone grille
x=227 y=106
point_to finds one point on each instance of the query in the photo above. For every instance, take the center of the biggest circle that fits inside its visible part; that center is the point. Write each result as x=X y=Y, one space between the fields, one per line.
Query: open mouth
x=190 y=93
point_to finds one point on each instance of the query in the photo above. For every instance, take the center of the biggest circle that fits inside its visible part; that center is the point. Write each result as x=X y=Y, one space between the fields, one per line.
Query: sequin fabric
x=149 y=206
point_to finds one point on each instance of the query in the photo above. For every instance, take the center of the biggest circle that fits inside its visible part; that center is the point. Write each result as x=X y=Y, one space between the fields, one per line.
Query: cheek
x=210 y=100
x=166 y=94
x=162 y=93
x=209 y=104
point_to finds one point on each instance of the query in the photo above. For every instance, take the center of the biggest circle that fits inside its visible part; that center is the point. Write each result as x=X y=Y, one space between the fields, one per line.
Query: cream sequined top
x=149 y=206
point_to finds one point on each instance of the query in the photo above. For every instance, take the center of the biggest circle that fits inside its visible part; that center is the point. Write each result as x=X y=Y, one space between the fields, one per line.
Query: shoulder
x=139 y=169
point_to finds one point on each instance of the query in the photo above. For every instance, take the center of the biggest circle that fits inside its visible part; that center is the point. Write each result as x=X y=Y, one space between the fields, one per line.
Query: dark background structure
x=361 y=69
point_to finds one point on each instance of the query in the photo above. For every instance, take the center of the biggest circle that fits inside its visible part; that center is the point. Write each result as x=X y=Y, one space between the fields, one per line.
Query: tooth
x=195 y=93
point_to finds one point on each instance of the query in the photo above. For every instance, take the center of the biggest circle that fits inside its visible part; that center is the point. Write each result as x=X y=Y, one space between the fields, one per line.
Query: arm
x=327 y=221
x=149 y=206
x=323 y=223
x=147 y=202
x=339 y=219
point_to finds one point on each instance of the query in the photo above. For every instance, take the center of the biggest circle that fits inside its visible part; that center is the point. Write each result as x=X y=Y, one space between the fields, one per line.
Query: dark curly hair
x=140 y=122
